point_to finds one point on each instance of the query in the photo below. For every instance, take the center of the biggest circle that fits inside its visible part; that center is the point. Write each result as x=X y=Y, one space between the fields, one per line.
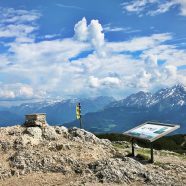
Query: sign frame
x=174 y=127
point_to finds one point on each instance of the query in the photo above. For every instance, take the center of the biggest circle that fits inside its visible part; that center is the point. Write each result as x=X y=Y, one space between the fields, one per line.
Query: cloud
x=153 y=75
x=68 y=6
x=153 y=7
x=81 y=30
x=106 y=81
x=47 y=52
x=19 y=91
x=167 y=53
x=92 y=33
x=42 y=69
x=7 y=95
x=139 y=44
x=182 y=4
x=16 y=30
x=51 y=36
x=151 y=61
x=109 y=28
x=162 y=8
x=18 y=24
x=135 y=6
x=11 y=15
x=171 y=71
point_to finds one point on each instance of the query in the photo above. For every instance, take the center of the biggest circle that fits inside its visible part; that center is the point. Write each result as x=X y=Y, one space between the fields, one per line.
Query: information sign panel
x=151 y=131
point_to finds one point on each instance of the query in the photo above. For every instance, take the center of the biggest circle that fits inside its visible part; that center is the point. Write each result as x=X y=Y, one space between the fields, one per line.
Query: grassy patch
x=174 y=143
x=143 y=151
x=142 y=157
x=117 y=145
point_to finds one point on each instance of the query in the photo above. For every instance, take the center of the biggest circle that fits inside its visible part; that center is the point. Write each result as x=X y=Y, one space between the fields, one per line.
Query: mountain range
x=105 y=114
x=166 y=105
x=58 y=112
x=165 y=98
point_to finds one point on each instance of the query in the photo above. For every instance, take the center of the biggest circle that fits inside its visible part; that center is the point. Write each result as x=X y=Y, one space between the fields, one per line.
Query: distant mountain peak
x=169 y=97
x=179 y=87
x=175 y=91
x=142 y=93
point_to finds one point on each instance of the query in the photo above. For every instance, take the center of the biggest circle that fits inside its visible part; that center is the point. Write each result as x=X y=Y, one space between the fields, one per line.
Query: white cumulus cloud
x=92 y=33
x=104 y=82
x=81 y=30
x=19 y=91
x=56 y=67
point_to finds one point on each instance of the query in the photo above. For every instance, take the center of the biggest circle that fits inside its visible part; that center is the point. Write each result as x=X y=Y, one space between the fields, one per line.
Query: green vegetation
x=142 y=157
x=176 y=143
x=113 y=137
x=117 y=145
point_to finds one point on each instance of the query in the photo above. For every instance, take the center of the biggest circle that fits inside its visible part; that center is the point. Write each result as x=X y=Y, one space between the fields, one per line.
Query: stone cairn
x=35 y=120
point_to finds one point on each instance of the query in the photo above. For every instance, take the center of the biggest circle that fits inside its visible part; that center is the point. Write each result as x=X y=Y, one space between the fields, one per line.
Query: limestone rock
x=61 y=130
x=35 y=132
x=4 y=173
x=118 y=170
x=5 y=145
x=78 y=153
x=84 y=135
x=49 y=133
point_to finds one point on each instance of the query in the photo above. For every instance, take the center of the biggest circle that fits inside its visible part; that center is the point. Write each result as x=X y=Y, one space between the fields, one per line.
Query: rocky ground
x=58 y=156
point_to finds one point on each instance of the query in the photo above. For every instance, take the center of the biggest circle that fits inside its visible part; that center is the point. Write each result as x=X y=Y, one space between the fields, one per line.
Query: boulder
x=84 y=135
x=62 y=131
x=49 y=133
x=35 y=132
x=118 y=170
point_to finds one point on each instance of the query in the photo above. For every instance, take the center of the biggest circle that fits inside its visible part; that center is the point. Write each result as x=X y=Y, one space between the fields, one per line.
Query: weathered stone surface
x=118 y=170
x=5 y=145
x=49 y=133
x=35 y=132
x=27 y=162
x=4 y=173
x=62 y=131
x=57 y=146
x=37 y=119
x=105 y=142
x=83 y=135
x=76 y=151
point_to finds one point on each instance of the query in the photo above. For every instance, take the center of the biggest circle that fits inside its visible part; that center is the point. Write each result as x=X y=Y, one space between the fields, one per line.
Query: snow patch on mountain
x=168 y=97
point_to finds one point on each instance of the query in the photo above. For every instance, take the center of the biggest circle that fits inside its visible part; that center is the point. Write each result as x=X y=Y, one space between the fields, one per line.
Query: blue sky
x=79 y=48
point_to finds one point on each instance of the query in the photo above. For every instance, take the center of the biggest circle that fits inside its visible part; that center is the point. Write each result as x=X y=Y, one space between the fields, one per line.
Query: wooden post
x=78 y=114
x=133 y=154
x=80 y=122
x=151 y=152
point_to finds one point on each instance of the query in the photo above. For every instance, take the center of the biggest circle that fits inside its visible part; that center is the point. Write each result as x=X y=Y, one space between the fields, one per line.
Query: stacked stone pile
x=38 y=119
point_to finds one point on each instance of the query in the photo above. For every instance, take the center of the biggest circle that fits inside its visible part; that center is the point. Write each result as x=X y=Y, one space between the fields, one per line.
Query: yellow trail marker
x=78 y=114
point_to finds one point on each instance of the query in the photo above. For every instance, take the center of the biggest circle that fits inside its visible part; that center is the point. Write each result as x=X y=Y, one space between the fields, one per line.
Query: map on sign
x=151 y=131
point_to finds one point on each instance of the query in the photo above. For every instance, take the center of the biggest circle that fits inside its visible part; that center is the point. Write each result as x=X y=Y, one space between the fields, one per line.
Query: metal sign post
x=133 y=154
x=149 y=132
x=151 y=153
x=78 y=114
